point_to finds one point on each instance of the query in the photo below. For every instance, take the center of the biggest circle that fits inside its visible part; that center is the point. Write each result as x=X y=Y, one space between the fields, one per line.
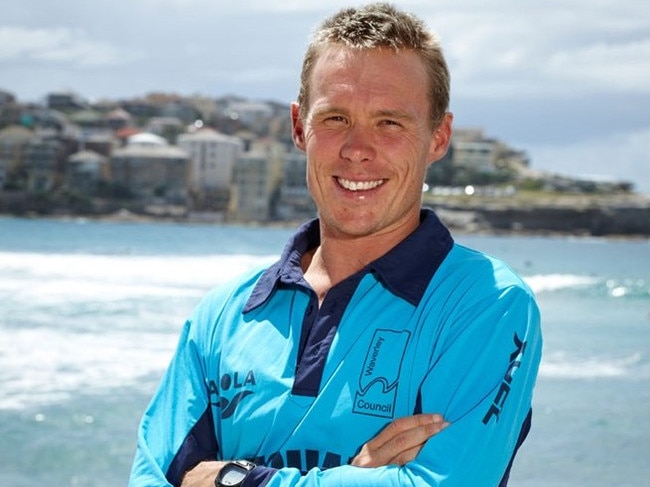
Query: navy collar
x=405 y=270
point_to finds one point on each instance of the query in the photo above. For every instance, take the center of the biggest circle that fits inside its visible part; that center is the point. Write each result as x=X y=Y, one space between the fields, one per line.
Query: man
x=376 y=351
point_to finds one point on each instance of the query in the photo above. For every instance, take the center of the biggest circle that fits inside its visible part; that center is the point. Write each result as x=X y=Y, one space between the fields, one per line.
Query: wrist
x=233 y=473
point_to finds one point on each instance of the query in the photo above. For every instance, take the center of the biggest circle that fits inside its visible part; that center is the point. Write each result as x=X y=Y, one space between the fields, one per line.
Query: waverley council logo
x=380 y=374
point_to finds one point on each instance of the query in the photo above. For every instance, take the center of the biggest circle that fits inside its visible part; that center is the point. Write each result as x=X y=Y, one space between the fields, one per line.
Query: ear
x=297 y=127
x=441 y=138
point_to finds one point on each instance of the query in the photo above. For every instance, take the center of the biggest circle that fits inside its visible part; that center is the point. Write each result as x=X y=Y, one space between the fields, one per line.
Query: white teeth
x=359 y=185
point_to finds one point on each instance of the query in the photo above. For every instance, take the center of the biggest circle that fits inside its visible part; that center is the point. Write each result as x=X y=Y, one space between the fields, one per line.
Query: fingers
x=404 y=457
x=400 y=441
x=400 y=430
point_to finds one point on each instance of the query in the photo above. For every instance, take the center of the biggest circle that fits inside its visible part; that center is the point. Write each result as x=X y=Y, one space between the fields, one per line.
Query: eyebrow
x=326 y=110
x=398 y=114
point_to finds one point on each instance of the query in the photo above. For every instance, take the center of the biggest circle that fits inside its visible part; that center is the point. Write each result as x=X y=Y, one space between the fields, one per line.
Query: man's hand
x=400 y=441
x=397 y=444
x=202 y=475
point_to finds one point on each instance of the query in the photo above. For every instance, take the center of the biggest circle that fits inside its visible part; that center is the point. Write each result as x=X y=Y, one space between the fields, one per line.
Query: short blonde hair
x=381 y=25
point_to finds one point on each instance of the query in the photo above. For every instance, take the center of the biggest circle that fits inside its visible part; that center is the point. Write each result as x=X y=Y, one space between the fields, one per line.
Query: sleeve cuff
x=259 y=476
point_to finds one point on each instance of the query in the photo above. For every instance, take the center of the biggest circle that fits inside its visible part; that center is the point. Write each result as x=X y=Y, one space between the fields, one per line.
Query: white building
x=212 y=158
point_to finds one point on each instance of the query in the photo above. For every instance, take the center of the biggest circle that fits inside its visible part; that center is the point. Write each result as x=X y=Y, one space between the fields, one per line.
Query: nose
x=357 y=145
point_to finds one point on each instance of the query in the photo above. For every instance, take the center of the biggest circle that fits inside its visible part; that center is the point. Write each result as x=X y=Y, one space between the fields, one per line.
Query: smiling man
x=376 y=351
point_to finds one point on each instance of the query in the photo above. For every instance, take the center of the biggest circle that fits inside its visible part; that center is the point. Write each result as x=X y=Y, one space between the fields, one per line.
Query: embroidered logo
x=380 y=374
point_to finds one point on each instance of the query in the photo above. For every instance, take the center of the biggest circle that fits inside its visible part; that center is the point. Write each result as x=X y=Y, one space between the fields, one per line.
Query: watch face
x=232 y=477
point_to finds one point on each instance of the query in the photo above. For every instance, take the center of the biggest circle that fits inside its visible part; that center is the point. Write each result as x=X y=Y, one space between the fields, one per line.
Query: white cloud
x=517 y=51
x=623 y=156
x=58 y=45
x=260 y=74
x=620 y=67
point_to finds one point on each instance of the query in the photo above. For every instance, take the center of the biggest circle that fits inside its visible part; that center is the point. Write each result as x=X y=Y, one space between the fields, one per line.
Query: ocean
x=90 y=313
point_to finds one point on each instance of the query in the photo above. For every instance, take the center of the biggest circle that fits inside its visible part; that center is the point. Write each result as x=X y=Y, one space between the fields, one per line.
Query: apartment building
x=212 y=158
x=256 y=182
x=151 y=170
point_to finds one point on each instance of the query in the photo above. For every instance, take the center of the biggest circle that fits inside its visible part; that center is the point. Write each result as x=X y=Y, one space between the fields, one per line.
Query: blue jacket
x=262 y=373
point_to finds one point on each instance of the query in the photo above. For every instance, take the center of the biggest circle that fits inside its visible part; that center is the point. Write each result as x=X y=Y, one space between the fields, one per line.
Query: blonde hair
x=381 y=25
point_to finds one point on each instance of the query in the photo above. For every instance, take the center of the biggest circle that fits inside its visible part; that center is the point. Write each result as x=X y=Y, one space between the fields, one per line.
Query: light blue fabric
x=469 y=349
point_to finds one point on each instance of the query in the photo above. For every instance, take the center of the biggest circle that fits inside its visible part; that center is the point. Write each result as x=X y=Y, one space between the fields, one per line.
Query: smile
x=359 y=185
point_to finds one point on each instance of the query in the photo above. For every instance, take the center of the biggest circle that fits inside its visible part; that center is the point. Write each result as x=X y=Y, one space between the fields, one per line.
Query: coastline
x=615 y=220
x=612 y=215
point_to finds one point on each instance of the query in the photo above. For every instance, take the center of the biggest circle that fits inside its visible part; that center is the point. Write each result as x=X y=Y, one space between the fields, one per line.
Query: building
x=151 y=170
x=253 y=115
x=167 y=127
x=86 y=170
x=41 y=161
x=181 y=110
x=13 y=142
x=472 y=150
x=295 y=202
x=66 y=101
x=256 y=182
x=88 y=120
x=212 y=158
x=118 y=119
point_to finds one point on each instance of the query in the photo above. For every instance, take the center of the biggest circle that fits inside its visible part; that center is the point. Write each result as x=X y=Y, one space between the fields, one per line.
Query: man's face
x=369 y=140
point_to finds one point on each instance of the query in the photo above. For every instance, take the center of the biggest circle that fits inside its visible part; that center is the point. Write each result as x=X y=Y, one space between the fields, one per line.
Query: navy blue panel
x=407 y=277
x=200 y=444
x=418 y=404
x=318 y=330
x=523 y=433
x=258 y=477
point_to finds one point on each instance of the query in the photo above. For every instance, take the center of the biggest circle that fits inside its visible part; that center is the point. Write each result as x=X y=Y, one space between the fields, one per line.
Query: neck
x=337 y=258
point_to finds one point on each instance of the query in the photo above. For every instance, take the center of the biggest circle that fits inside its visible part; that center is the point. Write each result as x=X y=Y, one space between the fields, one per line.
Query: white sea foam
x=78 y=323
x=555 y=282
x=79 y=277
x=41 y=366
x=559 y=366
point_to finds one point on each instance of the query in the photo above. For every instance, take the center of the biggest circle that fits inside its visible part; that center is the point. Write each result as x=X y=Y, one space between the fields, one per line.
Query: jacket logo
x=504 y=389
x=228 y=405
x=379 y=376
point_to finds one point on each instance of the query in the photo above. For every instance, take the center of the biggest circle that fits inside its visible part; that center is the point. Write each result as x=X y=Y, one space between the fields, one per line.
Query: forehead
x=369 y=76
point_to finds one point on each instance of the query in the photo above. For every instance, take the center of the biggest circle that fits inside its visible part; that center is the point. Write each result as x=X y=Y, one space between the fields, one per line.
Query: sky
x=567 y=81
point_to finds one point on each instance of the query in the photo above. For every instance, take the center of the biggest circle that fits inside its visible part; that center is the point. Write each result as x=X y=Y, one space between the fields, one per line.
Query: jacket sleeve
x=177 y=429
x=481 y=379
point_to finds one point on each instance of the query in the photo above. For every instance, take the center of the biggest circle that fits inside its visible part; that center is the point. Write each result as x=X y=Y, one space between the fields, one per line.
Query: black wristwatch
x=233 y=473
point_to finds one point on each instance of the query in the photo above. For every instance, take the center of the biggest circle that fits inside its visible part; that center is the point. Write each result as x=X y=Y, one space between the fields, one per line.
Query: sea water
x=90 y=313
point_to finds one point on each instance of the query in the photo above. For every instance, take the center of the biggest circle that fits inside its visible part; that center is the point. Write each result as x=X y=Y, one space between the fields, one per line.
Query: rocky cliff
x=598 y=217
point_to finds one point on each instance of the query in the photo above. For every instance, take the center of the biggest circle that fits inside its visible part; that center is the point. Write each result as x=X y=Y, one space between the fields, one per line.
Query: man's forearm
x=397 y=444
